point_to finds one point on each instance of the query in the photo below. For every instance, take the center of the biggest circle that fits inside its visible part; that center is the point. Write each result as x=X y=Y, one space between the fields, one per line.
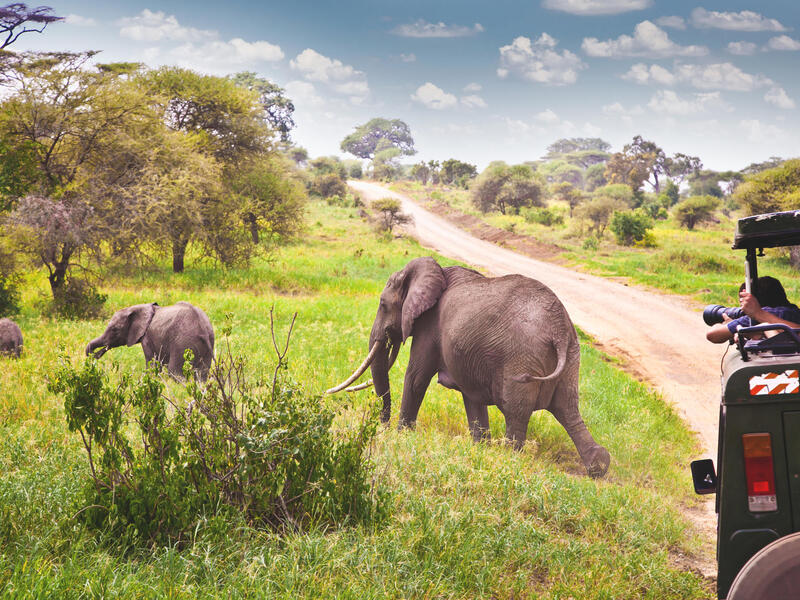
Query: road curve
x=661 y=337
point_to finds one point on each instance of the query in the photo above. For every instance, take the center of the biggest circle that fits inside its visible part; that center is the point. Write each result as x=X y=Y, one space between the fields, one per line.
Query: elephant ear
x=139 y=320
x=425 y=283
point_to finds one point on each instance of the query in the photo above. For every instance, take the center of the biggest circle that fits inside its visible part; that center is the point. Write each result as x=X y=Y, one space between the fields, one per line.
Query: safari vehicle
x=758 y=460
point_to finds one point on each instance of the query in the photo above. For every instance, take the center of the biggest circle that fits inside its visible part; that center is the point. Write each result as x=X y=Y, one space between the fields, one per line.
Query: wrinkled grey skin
x=165 y=333
x=10 y=338
x=506 y=341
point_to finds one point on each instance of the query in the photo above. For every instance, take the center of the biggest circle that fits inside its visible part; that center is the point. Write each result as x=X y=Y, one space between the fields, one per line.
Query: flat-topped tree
x=17 y=18
x=377 y=135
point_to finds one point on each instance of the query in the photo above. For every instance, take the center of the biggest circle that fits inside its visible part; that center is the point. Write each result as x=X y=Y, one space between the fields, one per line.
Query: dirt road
x=661 y=338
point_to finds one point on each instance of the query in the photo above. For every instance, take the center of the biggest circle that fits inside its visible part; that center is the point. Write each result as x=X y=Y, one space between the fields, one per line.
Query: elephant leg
x=478 y=419
x=564 y=407
x=422 y=366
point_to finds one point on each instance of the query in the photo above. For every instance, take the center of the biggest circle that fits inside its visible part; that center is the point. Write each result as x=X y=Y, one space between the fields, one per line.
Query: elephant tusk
x=358 y=372
x=393 y=356
x=360 y=386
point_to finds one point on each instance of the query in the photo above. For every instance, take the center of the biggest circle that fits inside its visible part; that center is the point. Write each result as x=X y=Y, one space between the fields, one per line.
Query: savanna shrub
x=162 y=467
x=591 y=243
x=78 y=299
x=547 y=216
x=328 y=185
x=630 y=227
x=9 y=296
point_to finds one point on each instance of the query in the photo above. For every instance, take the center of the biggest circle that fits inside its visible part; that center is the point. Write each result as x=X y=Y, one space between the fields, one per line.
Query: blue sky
x=482 y=81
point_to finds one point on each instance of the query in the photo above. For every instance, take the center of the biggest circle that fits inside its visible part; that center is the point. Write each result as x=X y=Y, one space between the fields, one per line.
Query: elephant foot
x=597 y=461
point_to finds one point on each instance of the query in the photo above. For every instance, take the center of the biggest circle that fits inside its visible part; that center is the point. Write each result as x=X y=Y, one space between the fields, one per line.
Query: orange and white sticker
x=787 y=382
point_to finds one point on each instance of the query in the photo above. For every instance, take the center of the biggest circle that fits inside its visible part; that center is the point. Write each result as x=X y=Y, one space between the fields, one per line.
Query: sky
x=481 y=81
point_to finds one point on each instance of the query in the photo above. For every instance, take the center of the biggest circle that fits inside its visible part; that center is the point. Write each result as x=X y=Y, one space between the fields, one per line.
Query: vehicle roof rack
x=768 y=231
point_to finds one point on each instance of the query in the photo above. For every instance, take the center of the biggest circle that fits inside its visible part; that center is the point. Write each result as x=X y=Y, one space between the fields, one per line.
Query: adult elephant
x=506 y=341
x=165 y=333
x=10 y=338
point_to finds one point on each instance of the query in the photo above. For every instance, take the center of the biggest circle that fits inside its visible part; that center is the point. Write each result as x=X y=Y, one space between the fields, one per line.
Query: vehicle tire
x=773 y=573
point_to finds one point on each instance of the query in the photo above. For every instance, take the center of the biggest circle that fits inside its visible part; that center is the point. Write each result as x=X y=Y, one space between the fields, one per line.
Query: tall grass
x=467 y=520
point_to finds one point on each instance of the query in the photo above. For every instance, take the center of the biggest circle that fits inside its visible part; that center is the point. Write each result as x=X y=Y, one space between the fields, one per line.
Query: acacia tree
x=456 y=171
x=644 y=161
x=17 y=18
x=278 y=109
x=501 y=186
x=379 y=134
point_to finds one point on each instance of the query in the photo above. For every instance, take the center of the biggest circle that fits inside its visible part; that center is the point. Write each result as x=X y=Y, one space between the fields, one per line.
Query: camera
x=712 y=313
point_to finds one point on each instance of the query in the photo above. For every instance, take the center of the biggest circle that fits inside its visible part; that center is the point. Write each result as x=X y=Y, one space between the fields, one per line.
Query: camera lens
x=712 y=313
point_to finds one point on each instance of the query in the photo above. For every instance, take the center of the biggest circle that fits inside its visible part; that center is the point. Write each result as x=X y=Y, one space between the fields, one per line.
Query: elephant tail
x=561 y=345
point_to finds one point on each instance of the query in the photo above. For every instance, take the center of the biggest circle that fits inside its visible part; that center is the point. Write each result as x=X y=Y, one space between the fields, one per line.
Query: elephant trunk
x=97 y=347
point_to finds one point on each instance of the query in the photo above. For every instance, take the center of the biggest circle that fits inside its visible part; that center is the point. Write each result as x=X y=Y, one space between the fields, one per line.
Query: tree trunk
x=794 y=256
x=252 y=224
x=178 y=253
x=58 y=276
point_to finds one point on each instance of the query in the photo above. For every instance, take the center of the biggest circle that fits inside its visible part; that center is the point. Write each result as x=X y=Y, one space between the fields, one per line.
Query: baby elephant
x=165 y=333
x=10 y=338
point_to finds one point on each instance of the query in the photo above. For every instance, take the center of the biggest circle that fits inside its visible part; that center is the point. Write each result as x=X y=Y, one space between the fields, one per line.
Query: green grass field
x=467 y=520
x=699 y=263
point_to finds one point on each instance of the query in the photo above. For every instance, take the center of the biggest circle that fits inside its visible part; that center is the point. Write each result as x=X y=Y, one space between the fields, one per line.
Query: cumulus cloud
x=303 y=93
x=80 y=21
x=149 y=26
x=596 y=7
x=408 y=58
x=473 y=87
x=648 y=40
x=340 y=77
x=473 y=101
x=616 y=109
x=742 y=48
x=539 y=61
x=235 y=52
x=746 y=20
x=423 y=29
x=718 y=76
x=668 y=102
x=783 y=42
x=548 y=117
x=777 y=96
x=673 y=22
x=434 y=97
x=756 y=131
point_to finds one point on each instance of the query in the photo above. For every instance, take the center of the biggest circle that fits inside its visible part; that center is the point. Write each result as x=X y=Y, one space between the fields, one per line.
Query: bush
x=389 y=214
x=78 y=299
x=597 y=212
x=161 y=468
x=548 y=216
x=695 y=209
x=630 y=227
x=591 y=243
x=9 y=297
x=327 y=185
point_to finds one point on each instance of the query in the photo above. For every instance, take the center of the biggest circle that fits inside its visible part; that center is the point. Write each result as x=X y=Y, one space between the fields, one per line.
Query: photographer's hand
x=752 y=307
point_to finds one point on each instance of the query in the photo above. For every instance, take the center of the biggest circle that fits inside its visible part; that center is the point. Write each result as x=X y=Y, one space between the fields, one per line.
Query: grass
x=699 y=264
x=467 y=520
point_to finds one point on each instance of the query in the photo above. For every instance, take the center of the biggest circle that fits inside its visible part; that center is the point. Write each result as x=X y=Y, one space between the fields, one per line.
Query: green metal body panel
x=742 y=533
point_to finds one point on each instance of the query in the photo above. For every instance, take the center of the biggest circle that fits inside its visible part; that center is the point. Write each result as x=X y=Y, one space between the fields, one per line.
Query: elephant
x=505 y=341
x=10 y=338
x=165 y=333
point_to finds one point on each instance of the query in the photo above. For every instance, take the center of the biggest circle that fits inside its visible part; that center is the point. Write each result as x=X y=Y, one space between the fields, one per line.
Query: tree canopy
x=17 y=18
x=379 y=134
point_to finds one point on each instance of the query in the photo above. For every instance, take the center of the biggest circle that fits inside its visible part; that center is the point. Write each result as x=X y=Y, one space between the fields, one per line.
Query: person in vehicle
x=769 y=305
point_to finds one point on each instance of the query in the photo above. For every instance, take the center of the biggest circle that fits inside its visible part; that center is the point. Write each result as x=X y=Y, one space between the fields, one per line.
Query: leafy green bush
x=78 y=299
x=547 y=216
x=9 y=296
x=327 y=185
x=695 y=209
x=630 y=227
x=591 y=243
x=161 y=468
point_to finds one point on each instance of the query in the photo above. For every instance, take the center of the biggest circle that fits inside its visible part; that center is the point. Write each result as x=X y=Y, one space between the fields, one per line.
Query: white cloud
x=742 y=48
x=149 y=26
x=648 y=40
x=656 y=74
x=539 y=61
x=673 y=22
x=434 y=97
x=548 y=117
x=757 y=131
x=423 y=29
x=668 y=102
x=236 y=52
x=342 y=78
x=303 y=93
x=592 y=130
x=473 y=87
x=718 y=76
x=473 y=101
x=778 y=97
x=745 y=20
x=616 y=109
x=783 y=42
x=80 y=21
x=408 y=58
x=596 y=7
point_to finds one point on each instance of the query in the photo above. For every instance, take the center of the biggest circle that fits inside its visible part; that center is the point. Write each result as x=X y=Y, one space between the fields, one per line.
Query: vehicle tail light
x=760 y=472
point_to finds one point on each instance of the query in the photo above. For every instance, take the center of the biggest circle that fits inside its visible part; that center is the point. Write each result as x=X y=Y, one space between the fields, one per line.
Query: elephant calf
x=165 y=333
x=10 y=338
x=506 y=341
